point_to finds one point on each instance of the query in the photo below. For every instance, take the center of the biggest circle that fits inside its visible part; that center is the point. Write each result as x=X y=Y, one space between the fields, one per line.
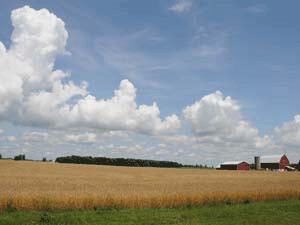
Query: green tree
x=44 y=159
x=20 y=157
x=0 y=156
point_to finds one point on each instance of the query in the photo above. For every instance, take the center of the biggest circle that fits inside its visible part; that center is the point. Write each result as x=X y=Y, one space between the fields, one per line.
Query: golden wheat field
x=37 y=185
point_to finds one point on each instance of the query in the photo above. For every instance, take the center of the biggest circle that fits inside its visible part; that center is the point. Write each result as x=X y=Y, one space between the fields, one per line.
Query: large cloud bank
x=32 y=92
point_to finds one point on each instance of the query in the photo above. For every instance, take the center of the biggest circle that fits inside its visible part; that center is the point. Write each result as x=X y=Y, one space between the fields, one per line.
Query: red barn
x=274 y=162
x=234 y=165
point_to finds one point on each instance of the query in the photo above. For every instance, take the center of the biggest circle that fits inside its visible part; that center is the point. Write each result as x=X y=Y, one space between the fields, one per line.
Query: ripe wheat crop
x=40 y=185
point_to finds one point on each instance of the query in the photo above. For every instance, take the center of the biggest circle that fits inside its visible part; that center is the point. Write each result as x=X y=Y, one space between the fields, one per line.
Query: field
x=42 y=185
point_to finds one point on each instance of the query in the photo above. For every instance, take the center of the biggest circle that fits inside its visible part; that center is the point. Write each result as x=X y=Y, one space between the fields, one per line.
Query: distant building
x=274 y=162
x=234 y=165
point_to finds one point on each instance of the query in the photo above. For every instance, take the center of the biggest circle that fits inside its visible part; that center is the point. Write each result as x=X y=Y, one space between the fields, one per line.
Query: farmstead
x=274 y=162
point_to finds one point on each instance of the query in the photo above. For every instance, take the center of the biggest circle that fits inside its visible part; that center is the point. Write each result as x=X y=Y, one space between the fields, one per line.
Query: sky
x=196 y=82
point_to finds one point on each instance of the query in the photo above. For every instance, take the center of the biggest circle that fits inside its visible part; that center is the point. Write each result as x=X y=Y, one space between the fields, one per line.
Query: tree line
x=122 y=162
x=17 y=157
x=115 y=161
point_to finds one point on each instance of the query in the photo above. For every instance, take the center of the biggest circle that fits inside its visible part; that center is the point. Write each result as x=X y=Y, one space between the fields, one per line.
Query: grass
x=42 y=185
x=269 y=212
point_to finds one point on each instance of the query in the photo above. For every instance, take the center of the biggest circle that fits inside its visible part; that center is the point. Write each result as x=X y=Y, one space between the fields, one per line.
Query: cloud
x=120 y=112
x=215 y=118
x=203 y=51
x=289 y=133
x=87 y=137
x=129 y=149
x=257 y=9
x=181 y=6
x=11 y=138
x=114 y=134
x=217 y=132
x=207 y=51
x=178 y=139
x=264 y=142
x=33 y=93
x=123 y=53
x=35 y=136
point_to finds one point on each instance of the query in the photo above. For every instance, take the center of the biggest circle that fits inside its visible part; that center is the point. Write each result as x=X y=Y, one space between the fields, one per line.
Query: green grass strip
x=270 y=212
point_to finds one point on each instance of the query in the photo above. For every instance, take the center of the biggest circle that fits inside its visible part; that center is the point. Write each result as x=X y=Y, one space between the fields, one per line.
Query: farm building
x=234 y=165
x=274 y=162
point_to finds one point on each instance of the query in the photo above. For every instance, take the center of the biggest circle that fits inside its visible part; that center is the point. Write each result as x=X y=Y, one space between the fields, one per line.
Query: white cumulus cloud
x=33 y=93
x=289 y=133
x=218 y=119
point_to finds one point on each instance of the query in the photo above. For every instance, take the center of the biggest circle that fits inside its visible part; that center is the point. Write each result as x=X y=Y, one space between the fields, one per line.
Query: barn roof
x=270 y=158
x=232 y=163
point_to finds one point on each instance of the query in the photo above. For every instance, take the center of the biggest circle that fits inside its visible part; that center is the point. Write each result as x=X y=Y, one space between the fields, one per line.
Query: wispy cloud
x=181 y=6
x=147 y=68
x=207 y=51
x=124 y=54
x=257 y=9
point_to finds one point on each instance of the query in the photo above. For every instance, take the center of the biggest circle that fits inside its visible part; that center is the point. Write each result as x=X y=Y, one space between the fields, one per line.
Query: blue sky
x=222 y=74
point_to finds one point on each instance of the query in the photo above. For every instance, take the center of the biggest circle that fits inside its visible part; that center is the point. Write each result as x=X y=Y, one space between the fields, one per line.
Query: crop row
x=85 y=200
